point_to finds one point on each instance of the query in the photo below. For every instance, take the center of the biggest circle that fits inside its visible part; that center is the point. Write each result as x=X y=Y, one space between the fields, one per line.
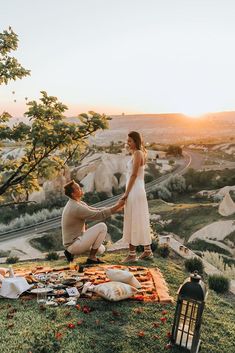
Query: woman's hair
x=136 y=137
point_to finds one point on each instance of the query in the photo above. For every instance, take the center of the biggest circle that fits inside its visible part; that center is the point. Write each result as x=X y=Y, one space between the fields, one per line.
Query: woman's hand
x=124 y=197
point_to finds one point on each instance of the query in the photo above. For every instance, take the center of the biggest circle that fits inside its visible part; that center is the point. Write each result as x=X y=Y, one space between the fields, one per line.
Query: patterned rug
x=153 y=285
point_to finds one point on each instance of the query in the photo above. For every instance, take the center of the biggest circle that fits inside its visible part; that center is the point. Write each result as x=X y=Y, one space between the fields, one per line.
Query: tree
x=10 y=68
x=49 y=142
x=174 y=151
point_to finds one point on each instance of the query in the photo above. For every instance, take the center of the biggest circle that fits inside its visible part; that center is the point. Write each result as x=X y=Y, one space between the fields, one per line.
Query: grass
x=112 y=327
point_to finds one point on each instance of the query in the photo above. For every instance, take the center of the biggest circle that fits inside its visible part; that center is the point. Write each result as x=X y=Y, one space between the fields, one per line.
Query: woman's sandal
x=131 y=257
x=146 y=255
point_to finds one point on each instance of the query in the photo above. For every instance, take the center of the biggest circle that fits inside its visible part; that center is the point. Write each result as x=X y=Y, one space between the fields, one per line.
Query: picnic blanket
x=153 y=285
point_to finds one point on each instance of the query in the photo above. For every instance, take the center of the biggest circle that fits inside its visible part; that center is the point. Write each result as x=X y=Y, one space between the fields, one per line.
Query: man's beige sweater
x=74 y=216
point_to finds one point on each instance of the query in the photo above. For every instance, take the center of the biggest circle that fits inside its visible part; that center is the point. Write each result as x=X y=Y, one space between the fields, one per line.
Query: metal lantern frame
x=192 y=295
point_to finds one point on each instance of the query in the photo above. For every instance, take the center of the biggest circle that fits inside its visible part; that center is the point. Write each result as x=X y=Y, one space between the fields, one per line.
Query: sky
x=131 y=56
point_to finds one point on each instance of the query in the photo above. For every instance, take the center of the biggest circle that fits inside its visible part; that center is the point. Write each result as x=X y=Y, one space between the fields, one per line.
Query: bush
x=202 y=245
x=154 y=246
x=52 y=256
x=218 y=283
x=194 y=264
x=4 y=253
x=51 y=241
x=164 y=250
x=12 y=259
x=148 y=178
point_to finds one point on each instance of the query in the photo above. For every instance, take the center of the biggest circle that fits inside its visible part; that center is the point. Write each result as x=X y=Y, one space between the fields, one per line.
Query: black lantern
x=188 y=314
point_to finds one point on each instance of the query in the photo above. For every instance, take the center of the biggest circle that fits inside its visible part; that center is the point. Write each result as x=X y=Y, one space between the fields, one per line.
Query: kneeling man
x=76 y=239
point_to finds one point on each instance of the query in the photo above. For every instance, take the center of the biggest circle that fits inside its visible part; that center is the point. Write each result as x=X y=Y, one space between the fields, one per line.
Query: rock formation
x=227 y=206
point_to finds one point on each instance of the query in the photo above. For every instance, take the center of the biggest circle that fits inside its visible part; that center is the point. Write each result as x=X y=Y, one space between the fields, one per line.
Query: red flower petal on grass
x=164 y=312
x=58 y=336
x=78 y=307
x=141 y=334
x=86 y=309
x=168 y=334
x=71 y=326
x=80 y=322
x=163 y=319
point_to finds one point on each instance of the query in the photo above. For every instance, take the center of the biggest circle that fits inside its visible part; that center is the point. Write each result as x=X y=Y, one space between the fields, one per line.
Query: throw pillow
x=123 y=276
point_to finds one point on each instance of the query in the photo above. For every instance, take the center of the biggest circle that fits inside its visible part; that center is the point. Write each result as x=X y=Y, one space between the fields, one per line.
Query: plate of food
x=59 y=292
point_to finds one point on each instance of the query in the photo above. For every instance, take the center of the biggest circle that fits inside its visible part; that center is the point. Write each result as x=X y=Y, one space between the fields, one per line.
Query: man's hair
x=68 y=188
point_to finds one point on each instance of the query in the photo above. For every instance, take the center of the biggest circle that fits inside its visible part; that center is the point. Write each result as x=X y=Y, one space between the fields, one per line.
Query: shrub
x=148 y=178
x=218 y=283
x=51 y=241
x=202 y=245
x=155 y=244
x=194 y=264
x=12 y=259
x=4 y=253
x=217 y=260
x=164 y=250
x=52 y=256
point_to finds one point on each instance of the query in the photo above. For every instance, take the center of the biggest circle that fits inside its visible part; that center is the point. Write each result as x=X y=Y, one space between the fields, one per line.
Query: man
x=76 y=239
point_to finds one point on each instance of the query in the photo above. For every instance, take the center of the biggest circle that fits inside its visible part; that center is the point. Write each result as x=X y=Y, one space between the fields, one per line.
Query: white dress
x=136 y=227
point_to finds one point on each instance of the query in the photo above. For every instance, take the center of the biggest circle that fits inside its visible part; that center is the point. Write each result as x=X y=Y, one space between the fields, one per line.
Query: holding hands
x=121 y=203
x=124 y=197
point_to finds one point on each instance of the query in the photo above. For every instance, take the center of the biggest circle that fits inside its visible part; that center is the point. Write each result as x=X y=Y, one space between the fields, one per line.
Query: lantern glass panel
x=187 y=323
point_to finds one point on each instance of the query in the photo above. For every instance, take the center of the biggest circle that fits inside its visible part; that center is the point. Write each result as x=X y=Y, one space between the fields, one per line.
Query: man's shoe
x=68 y=256
x=93 y=262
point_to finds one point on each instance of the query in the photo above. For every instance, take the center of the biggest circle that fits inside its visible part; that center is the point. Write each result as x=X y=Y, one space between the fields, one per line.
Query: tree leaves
x=10 y=68
x=50 y=141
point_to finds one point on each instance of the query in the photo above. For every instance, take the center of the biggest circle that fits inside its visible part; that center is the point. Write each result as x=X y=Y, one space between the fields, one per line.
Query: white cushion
x=123 y=276
x=114 y=291
x=13 y=287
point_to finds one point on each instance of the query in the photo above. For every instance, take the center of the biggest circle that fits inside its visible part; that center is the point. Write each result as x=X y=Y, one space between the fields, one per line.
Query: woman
x=136 y=228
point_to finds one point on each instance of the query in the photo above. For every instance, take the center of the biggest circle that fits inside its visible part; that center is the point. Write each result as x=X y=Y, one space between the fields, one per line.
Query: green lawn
x=112 y=327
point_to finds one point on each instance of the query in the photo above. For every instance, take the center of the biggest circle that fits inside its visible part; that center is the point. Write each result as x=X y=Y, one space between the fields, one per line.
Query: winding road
x=55 y=222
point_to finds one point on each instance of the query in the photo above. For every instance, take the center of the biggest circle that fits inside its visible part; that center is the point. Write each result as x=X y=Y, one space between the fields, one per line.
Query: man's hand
x=121 y=203
x=118 y=206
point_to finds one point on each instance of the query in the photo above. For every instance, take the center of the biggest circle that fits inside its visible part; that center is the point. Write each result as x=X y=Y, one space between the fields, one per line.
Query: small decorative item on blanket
x=114 y=291
x=123 y=276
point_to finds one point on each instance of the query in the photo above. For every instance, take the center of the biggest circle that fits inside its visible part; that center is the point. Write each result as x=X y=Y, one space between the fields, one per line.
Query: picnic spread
x=68 y=284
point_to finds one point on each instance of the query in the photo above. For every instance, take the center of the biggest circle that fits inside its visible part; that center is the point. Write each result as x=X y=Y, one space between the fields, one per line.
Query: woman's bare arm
x=137 y=159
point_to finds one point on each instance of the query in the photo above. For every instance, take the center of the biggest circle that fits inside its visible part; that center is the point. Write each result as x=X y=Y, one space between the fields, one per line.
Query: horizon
x=124 y=57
